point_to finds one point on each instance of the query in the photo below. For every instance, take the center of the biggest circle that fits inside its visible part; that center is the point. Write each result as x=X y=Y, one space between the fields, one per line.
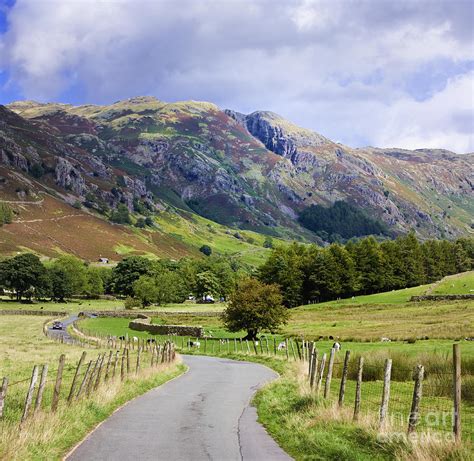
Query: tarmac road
x=202 y=415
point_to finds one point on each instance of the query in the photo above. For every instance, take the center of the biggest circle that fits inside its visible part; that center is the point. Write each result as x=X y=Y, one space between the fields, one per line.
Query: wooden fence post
x=128 y=361
x=293 y=350
x=3 y=395
x=248 y=347
x=57 y=384
x=152 y=359
x=84 y=379
x=107 y=368
x=274 y=346
x=255 y=347
x=90 y=383
x=205 y=345
x=286 y=349
x=320 y=374
x=29 y=395
x=122 y=367
x=310 y=364
x=42 y=383
x=345 y=368
x=358 y=388
x=99 y=371
x=314 y=366
x=385 y=392
x=137 y=368
x=115 y=363
x=327 y=386
x=457 y=392
x=76 y=375
x=415 y=404
x=298 y=349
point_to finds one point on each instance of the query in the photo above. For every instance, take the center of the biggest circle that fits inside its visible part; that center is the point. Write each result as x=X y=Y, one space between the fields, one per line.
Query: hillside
x=190 y=160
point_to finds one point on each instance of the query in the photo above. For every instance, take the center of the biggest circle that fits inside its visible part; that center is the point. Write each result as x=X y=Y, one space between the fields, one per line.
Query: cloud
x=360 y=72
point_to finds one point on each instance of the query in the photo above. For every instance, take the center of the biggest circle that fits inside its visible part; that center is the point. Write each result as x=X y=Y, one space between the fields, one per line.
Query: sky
x=369 y=72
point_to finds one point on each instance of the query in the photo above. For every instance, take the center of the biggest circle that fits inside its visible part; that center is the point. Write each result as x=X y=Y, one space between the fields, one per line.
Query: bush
x=206 y=249
x=132 y=303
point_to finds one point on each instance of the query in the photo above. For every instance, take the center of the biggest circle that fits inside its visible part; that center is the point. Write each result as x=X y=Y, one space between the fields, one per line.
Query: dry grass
x=309 y=427
x=48 y=436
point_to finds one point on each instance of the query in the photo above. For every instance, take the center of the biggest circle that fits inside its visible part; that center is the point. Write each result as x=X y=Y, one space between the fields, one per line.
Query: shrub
x=206 y=249
x=132 y=303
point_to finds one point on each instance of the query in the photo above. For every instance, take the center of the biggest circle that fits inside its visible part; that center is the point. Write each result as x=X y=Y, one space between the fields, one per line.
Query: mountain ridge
x=253 y=171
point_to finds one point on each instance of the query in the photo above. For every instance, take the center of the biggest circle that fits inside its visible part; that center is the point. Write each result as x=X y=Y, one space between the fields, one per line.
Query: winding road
x=204 y=414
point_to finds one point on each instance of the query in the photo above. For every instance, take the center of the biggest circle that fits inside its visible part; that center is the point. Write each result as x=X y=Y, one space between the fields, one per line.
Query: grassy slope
x=51 y=227
x=448 y=319
x=23 y=345
x=455 y=284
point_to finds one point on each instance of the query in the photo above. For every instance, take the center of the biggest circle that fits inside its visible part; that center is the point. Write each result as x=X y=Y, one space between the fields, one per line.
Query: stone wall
x=134 y=314
x=441 y=297
x=143 y=324
x=32 y=312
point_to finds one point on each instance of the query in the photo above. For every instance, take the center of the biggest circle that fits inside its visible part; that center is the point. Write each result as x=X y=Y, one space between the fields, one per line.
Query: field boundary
x=441 y=297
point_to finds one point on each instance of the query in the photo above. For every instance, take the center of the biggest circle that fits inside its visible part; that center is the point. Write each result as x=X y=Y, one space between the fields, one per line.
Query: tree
x=126 y=272
x=74 y=272
x=206 y=250
x=6 y=214
x=121 y=215
x=95 y=281
x=370 y=265
x=412 y=257
x=284 y=267
x=207 y=284
x=60 y=288
x=170 y=288
x=146 y=290
x=254 y=306
x=23 y=274
x=268 y=242
x=140 y=223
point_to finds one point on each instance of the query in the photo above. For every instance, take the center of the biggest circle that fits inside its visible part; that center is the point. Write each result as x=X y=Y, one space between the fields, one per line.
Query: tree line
x=141 y=280
x=308 y=273
x=303 y=273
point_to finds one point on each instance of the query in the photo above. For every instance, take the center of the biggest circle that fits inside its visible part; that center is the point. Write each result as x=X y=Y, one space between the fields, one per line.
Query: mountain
x=188 y=160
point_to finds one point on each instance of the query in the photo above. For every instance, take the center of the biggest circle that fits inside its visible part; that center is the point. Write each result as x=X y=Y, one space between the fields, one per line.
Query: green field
x=455 y=285
x=76 y=306
x=389 y=297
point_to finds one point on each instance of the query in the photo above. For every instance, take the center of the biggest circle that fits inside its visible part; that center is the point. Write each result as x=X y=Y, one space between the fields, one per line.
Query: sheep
x=385 y=340
x=281 y=346
x=122 y=338
x=151 y=340
x=135 y=339
x=195 y=344
x=337 y=346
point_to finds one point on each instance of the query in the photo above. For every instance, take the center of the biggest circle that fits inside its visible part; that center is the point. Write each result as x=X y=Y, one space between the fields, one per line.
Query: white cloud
x=339 y=67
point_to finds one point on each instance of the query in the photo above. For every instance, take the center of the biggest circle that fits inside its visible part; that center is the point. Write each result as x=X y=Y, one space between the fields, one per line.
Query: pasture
x=459 y=284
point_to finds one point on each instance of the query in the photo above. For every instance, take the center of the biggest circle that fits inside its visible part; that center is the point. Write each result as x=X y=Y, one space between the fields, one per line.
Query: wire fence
x=435 y=410
x=67 y=383
x=419 y=399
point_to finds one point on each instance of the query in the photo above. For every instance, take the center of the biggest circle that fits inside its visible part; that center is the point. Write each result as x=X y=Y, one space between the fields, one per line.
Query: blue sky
x=362 y=72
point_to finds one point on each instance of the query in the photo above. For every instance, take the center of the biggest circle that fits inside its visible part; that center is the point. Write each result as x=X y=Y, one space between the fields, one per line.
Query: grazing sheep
x=135 y=339
x=122 y=338
x=337 y=346
x=151 y=340
x=195 y=344
x=281 y=346
x=385 y=340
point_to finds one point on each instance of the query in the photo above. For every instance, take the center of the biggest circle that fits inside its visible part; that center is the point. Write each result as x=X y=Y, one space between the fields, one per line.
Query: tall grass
x=48 y=436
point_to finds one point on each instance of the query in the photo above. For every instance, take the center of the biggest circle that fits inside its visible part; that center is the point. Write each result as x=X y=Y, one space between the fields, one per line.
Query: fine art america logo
x=434 y=426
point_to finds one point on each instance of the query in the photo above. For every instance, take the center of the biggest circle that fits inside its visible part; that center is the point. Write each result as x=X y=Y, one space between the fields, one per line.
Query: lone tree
x=254 y=306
